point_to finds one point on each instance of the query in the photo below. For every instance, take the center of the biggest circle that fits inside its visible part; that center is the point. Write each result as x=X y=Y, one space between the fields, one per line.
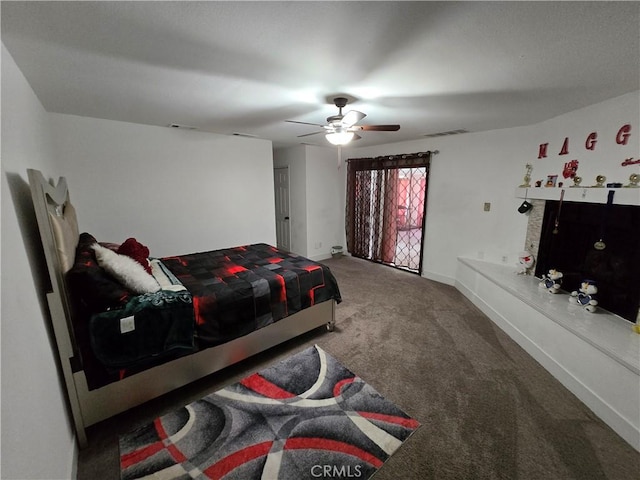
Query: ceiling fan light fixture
x=340 y=129
x=339 y=137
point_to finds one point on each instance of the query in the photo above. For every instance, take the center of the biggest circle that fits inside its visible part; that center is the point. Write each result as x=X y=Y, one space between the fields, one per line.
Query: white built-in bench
x=595 y=355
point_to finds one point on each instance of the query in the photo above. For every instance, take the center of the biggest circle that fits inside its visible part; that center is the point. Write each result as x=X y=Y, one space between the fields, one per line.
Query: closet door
x=283 y=222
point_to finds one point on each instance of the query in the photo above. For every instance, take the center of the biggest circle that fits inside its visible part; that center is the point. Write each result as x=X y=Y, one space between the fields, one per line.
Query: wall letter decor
x=623 y=134
x=565 y=147
x=542 y=153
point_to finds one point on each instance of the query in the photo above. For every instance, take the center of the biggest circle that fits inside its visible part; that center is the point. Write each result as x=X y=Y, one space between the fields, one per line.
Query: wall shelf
x=623 y=196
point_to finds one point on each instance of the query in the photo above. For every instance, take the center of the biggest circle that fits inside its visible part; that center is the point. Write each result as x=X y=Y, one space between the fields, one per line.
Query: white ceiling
x=247 y=67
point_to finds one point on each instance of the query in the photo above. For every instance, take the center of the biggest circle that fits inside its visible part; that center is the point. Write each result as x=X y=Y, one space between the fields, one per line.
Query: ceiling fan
x=341 y=129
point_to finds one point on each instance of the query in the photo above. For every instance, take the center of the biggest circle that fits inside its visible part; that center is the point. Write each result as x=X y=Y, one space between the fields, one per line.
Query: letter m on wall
x=542 y=152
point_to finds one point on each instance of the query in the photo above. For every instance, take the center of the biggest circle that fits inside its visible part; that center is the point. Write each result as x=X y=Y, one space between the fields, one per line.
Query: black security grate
x=386 y=200
x=412 y=188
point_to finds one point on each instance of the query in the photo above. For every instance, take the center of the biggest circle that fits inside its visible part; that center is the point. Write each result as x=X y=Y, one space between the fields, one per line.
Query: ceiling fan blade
x=356 y=137
x=305 y=123
x=352 y=117
x=379 y=128
x=308 y=134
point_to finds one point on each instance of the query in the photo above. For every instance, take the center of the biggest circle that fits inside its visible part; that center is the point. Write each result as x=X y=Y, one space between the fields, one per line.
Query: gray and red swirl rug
x=307 y=417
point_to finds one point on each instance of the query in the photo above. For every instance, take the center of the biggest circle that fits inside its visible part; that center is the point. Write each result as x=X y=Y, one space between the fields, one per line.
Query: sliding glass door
x=386 y=198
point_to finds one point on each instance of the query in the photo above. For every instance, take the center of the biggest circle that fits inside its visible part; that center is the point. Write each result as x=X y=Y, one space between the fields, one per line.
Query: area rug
x=307 y=417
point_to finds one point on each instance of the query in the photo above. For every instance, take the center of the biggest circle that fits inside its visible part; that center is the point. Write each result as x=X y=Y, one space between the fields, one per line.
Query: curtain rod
x=400 y=155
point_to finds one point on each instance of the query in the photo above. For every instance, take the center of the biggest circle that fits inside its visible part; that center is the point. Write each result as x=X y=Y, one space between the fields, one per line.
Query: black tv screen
x=571 y=250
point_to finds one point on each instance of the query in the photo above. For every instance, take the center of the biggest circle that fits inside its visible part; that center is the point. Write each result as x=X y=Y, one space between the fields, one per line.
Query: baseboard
x=320 y=257
x=436 y=277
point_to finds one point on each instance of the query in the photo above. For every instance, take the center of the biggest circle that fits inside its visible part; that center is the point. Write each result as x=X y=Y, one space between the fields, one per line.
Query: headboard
x=59 y=233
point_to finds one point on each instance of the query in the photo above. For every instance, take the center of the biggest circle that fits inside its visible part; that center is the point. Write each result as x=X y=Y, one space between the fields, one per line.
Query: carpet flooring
x=488 y=410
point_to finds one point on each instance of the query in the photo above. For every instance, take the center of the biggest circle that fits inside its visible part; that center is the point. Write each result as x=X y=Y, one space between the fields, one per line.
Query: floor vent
x=444 y=134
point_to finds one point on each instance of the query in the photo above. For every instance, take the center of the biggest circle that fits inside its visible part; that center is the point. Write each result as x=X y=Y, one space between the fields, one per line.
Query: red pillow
x=134 y=249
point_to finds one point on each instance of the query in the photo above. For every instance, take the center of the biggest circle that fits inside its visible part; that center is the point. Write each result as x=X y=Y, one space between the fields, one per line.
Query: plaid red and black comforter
x=229 y=293
x=238 y=290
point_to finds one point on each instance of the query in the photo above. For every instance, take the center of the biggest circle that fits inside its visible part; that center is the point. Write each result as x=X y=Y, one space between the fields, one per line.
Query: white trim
x=437 y=277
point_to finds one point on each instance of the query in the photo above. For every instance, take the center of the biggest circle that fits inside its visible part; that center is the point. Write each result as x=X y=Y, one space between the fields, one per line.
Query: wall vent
x=444 y=134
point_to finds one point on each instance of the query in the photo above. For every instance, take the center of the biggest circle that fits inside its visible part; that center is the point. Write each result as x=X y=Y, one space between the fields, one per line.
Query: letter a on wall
x=565 y=147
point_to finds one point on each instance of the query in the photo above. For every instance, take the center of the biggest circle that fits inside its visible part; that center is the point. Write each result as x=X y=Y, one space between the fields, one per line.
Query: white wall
x=605 y=119
x=176 y=191
x=475 y=168
x=469 y=170
x=37 y=437
x=317 y=188
x=325 y=191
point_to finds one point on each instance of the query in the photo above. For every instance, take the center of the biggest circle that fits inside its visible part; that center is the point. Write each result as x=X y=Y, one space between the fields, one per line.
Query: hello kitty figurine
x=552 y=281
x=525 y=262
x=585 y=296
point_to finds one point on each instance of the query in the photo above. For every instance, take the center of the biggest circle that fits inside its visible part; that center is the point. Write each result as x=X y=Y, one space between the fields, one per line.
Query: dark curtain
x=372 y=204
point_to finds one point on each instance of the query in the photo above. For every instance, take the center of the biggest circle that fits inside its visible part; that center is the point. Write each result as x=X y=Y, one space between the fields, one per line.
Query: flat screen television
x=571 y=250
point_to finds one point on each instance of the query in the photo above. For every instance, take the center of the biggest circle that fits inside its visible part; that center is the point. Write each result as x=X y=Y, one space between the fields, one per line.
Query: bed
x=120 y=347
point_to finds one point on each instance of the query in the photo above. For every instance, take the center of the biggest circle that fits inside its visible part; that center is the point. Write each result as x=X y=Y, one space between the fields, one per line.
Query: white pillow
x=126 y=270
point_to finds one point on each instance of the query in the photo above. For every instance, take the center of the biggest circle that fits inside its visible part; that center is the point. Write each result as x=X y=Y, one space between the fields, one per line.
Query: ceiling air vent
x=183 y=127
x=444 y=134
x=240 y=134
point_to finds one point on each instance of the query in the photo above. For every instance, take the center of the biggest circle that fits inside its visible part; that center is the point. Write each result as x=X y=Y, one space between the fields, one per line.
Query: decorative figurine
x=585 y=296
x=600 y=179
x=634 y=179
x=552 y=281
x=525 y=262
x=576 y=181
x=538 y=183
x=570 y=169
x=527 y=176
